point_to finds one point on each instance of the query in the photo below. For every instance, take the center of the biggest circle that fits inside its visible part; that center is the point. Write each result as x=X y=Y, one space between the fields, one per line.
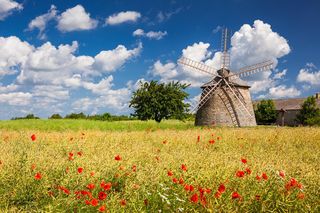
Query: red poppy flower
x=187 y=187
x=248 y=171
x=117 y=157
x=33 y=137
x=301 y=196
x=218 y=138
x=184 y=167
x=106 y=186
x=258 y=177
x=282 y=174
x=33 y=166
x=165 y=141
x=90 y=186
x=181 y=181
x=79 y=153
x=258 y=197
x=211 y=141
x=80 y=170
x=198 y=139
x=94 y=202
x=123 y=202
x=102 y=208
x=264 y=176
x=240 y=174
x=38 y=176
x=170 y=173
x=222 y=188
x=235 y=195
x=102 y=195
x=87 y=202
x=217 y=194
x=134 y=168
x=91 y=174
x=175 y=180
x=243 y=160
x=194 y=198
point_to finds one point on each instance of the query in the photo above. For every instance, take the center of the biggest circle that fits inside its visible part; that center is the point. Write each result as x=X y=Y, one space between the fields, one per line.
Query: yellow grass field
x=173 y=169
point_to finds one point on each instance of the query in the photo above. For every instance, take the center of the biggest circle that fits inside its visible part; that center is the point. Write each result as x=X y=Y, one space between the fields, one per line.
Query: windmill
x=225 y=99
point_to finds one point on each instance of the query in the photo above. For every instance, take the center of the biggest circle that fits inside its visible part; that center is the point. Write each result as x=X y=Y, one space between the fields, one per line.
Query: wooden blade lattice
x=263 y=66
x=197 y=66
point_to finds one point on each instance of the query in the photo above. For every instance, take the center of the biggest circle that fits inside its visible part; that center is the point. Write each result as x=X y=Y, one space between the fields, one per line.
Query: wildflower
x=264 y=176
x=33 y=137
x=301 y=196
x=221 y=188
x=90 y=186
x=248 y=171
x=175 y=180
x=94 y=202
x=102 y=195
x=38 y=176
x=91 y=174
x=187 y=187
x=70 y=156
x=123 y=202
x=217 y=194
x=235 y=195
x=80 y=170
x=87 y=202
x=281 y=174
x=257 y=197
x=165 y=142
x=194 y=198
x=243 y=160
x=117 y=157
x=79 y=153
x=102 y=208
x=184 y=167
x=181 y=181
x=258 y=177
x=240 y=174
x=170 y=173
x=191 y=188
x=107 y=186
x=218 y=138
x=198 y=139
x=211 y=141
x=134 y=168
x=33 y=166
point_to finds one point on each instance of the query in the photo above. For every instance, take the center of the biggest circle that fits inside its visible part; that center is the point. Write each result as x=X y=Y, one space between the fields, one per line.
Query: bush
x=266 y=112
x=29 y=116
x=309 y=113
x=55 y=116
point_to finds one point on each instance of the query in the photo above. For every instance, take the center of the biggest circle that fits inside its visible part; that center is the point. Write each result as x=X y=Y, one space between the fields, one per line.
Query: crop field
x=134 y=166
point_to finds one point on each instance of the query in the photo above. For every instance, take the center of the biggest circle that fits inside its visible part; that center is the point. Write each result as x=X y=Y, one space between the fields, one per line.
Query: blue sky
x=73 y=56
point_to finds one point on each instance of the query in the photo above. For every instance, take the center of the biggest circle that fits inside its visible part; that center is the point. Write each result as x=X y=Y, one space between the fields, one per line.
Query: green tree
x=310 y=112
x=159 y=101
x=80 y=115
x=266 y=112
x=55 y=116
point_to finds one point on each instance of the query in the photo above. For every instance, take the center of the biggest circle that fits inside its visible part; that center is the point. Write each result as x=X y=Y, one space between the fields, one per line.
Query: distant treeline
x=81 y=115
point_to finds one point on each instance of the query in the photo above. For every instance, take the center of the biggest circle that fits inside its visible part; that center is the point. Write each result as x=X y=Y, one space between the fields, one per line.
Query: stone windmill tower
x=225 y=99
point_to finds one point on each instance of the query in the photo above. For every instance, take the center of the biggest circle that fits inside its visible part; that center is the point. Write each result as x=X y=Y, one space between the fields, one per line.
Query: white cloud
x=111 y=60
x=51 y=92
x=16 y=98
x=7 y=7
x=167 y=72
x=8 y=88
x=198 y=51
x=254 y=44
x=151 y=34
x=280 y=75
x=122 y=17
x=308 y=76
x=76 y=19
x=282 y=91
x=13 y=54
x=40 y=22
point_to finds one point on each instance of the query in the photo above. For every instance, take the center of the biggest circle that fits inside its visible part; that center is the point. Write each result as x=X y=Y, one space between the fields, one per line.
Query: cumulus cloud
x=165 y=71
x=13 y=54
x=283 y=91
x=123 y=17
x=76 y=19
x=8 y=88
x=151 y=34
x=309 y=75
x=7 y=7
x=52 y=92
x=111 y=60
x=16 y=98
x=40 y=22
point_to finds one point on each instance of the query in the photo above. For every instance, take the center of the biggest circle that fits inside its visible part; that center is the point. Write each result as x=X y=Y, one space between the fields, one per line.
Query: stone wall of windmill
x=216 y=112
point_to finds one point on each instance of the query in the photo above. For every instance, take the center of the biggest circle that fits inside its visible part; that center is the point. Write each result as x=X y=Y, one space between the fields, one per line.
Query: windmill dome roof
x=235 y=80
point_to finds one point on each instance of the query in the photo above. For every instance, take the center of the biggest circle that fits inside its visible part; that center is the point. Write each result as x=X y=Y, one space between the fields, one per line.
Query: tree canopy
x=159 y=101
x=309 y=113
x=266 y=112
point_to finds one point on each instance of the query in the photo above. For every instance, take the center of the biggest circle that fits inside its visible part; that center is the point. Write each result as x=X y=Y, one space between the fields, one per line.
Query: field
x=92 y=166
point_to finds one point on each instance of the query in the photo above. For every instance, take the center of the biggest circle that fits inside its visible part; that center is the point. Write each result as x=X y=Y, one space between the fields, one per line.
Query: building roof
x=289 y=104
x=236 y=81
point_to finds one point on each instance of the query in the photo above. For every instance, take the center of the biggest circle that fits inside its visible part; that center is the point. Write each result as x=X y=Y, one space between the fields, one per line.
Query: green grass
x=65 y=124
x=268 y=150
